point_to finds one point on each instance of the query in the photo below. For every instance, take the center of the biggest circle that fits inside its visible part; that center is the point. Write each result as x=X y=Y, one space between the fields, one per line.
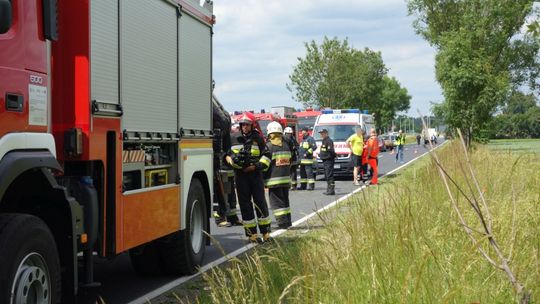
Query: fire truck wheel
x=29 y=261
x=145 y=260
x=183 y=251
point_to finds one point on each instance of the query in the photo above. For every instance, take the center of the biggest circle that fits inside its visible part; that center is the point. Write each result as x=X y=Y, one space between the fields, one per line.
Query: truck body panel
x=122 y=102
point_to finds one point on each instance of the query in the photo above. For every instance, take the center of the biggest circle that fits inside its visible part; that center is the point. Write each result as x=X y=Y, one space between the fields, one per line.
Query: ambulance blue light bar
x=340 y=111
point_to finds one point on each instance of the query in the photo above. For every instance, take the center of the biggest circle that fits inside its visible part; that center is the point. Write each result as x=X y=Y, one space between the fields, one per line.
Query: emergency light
x=340 y=111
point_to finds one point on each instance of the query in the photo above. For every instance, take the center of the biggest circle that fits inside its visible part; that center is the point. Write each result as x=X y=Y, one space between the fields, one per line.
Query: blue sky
x=257 y=43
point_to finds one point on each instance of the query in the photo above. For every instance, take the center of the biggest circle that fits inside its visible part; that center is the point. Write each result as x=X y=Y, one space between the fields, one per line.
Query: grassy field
x=514 y=145
x=402 y=242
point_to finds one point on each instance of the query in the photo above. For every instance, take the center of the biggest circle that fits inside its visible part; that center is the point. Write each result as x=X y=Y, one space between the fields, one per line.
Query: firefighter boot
x=311 y=186
x=330 y=190
x=267 y=238
x=254 y=238
x=234 y=220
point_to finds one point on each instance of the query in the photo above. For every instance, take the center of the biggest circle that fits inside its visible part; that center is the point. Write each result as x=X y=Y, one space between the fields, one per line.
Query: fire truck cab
x=287 y=117
x=105 y=140
x=306 y=119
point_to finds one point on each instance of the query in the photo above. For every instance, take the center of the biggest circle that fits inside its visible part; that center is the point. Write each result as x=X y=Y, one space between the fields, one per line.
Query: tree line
x=334 y=74
x=487 y=56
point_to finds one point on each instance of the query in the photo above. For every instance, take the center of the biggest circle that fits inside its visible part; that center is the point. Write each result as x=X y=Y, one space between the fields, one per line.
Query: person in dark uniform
x=249 y=158
x=278 y=178
x=289 y=136
x=327 y=155
x=307 y=146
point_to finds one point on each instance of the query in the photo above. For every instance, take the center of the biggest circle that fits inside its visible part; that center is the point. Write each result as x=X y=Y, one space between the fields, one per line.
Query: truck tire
x=29 y=263
x=145 y=260
x=183 y=251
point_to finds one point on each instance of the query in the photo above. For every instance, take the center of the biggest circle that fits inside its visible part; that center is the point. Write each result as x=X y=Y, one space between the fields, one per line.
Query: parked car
x=389 y=141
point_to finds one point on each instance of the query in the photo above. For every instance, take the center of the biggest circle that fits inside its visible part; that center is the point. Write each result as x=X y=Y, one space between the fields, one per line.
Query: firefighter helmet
x=288 y=130
x=274 y=127
x=245 y=120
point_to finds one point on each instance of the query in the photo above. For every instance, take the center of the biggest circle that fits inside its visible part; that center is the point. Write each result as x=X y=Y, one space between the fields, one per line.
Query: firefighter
x=225 y=195
x=327 y=155
x=307 y=146
x=372 y=154
x=289 y=135
x=249 y=157
x=277 y=178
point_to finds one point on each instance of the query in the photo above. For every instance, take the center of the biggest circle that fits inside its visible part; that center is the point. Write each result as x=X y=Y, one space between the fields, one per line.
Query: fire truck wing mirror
x=5 y=16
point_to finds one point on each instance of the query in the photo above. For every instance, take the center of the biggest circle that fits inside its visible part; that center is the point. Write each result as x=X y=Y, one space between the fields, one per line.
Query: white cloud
x=256 y=44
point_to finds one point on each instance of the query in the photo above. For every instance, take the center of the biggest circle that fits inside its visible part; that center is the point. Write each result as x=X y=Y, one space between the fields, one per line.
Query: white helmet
x=274 y=127
x=288 y=130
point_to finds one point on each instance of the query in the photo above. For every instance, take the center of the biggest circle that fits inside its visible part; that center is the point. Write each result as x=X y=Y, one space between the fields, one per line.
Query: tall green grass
x=401 y=242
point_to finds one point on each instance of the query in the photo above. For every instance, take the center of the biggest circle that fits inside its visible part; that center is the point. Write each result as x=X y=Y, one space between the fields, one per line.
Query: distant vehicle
x=306 y=119
x=340 y=125
x=287 y=117
x=389 y=141
x=431 y=133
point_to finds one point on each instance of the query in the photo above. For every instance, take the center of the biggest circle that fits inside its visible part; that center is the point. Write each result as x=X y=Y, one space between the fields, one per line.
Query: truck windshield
x=306 y=122
x=263 y=124
x=336 y=132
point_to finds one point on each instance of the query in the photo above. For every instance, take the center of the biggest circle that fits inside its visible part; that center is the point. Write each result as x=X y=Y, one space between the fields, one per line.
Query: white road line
x=165 y=288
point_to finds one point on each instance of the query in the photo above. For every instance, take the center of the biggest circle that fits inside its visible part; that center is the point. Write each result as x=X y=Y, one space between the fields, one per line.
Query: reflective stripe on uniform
x=265 y=221
x=303 y=180
x=281 y=154
x=282 y=211
x=283 y=180
x=306 y=161
x=255 y=151
x=265 y=160
x=232 y=212
x=237 y=147
x=311 y=181
x=250 y=224
x=305 y=145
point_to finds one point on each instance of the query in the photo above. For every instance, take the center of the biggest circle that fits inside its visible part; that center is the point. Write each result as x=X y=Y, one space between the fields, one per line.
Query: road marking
x=167 y=287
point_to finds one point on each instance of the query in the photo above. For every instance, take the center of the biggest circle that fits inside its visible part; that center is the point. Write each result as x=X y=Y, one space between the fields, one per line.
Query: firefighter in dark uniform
x=277 y=178
x=225 y=195
x=289 y=136
x=327 y=155
x=249 y=158
x=305 y=151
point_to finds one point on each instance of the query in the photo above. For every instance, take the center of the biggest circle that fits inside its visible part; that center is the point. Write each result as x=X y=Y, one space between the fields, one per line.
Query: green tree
x=519 y=118
x=393 y=99
x=482 y=54
x=336 y=75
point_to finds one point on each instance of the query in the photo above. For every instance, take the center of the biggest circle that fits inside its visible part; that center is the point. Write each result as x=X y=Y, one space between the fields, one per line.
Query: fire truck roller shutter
x=195 y=73
x=104 y=51
x=148 y=65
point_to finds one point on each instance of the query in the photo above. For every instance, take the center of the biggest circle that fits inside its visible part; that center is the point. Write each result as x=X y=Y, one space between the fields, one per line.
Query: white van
x=340 y=125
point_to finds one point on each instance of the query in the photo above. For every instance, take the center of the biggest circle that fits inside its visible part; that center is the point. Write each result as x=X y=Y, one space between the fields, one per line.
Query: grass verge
x=401 y=242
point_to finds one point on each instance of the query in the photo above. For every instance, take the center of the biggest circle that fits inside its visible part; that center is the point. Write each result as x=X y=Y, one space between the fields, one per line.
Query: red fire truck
x=105 y=140
x=306 y=119
x=287 y=117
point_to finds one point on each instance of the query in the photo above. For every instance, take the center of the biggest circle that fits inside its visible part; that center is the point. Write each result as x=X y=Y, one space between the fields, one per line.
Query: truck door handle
x=14 y=102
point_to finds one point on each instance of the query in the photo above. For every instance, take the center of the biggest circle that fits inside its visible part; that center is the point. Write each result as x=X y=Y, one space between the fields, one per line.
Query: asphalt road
x=120 y=284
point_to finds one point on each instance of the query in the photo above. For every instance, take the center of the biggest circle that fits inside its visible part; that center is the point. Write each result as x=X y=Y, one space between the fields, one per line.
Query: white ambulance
x=340 y=125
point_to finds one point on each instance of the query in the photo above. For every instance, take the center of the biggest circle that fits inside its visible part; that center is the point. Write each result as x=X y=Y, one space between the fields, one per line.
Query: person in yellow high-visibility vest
x=356 y=144
x=305 y=151
x=400 y=143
